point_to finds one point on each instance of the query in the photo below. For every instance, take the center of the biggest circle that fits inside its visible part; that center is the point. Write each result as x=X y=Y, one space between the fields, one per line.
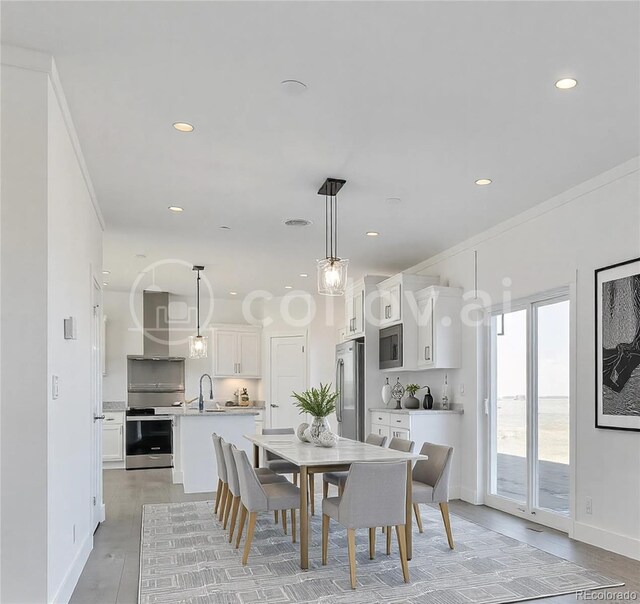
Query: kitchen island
x=194 y=462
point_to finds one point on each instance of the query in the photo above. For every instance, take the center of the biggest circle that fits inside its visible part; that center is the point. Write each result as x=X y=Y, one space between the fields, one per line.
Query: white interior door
x=96 y=404
x=288 y=374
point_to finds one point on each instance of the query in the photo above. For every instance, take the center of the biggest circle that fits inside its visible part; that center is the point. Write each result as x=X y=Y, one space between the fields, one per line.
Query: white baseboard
x=470 y=496
x=176 y=475
x=113 y=465
x=65 y=591
x=103 y=513
x=454 y=492
x=613 y=542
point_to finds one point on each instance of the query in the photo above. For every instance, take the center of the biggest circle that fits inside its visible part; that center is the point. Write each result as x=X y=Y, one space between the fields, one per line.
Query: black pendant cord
x=198 y=302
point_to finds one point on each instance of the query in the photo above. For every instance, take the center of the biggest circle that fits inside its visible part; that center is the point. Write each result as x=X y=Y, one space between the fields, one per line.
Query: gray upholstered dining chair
x=431 y=483
x=282 y=466
x=353 y=509
x=256 y=497
x=222 y=489
x=233 y=500
x=338 y=479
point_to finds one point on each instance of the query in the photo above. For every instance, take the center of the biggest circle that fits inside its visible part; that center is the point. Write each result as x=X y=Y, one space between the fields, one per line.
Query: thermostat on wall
x=70 y=329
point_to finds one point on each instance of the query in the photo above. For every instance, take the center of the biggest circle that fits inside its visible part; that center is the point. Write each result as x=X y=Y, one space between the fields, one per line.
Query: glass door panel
x=552 y=413
x=510 y=406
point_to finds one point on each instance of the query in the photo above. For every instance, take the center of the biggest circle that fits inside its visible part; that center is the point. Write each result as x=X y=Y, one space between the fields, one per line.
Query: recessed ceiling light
x=294 y=87
x=106 y=272
x=372 y=233
x=141 y=255
x=566 y=83
x=304 y=275
x=183 y=127
x=105 y=283
x=233 y=293
x=176 y=209
x=394 y=200
x=481 y=182
x=288 y=287
x=297 y=222
x=224 y=227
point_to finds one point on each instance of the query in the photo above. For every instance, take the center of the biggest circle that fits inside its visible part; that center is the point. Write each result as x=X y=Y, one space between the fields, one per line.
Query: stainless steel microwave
x=391 y=347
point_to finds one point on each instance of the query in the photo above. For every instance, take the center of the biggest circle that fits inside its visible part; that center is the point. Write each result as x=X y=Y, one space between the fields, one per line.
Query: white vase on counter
x=319 y=425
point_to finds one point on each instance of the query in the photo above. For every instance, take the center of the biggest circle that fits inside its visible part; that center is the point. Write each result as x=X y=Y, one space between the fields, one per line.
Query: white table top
x=346 y=451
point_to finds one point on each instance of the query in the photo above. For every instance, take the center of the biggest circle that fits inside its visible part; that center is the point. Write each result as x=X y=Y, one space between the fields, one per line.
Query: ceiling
x=408 y=100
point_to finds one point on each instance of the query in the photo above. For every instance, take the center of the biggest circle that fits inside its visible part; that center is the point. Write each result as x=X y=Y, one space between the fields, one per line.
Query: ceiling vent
x=297 y=222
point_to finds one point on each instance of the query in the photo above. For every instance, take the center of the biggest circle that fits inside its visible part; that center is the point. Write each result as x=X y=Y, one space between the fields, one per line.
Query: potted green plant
x=411 y=402
x=318 y=402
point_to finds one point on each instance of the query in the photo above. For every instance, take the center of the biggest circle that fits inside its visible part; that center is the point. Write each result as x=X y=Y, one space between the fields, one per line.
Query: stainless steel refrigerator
x=350 y=383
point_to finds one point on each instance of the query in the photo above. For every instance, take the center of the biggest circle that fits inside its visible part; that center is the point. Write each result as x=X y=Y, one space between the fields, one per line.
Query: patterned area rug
x=185 y=557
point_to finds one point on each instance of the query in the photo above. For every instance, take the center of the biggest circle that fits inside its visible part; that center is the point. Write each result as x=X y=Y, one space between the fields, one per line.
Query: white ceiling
x=410 y=100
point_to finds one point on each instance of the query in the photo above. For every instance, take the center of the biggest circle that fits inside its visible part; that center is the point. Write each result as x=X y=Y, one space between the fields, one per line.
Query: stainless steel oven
x=391 y=347
x=149 y=440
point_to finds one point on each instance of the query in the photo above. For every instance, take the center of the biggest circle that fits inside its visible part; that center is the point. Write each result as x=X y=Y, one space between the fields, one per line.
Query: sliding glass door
x=529 y=410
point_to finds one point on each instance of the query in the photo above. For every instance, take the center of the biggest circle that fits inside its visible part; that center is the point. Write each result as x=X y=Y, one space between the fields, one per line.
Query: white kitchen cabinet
x=113 y=436
x=356 y=299
x=395 y=302
x=439 y=327
x=236 y=352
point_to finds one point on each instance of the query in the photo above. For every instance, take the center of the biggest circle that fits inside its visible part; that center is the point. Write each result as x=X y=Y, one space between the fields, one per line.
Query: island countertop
x=182 y=412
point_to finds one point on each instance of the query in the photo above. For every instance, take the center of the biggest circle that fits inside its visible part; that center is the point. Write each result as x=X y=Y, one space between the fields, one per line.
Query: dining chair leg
x=402 y=546
x=312 y=493
x=325 y=538
x=416 y=511
x=223 y=500
x=275 y=517
x=227 y=511
x=247 y=543
x=293 y=525
x=284 y=521
x=444 y=510
x=234 y=517
x=218 y=495
x=295 y=479
x=372 y=543
x=388 y=541
x=325 y=489
x=351 y=543
x=243 y=518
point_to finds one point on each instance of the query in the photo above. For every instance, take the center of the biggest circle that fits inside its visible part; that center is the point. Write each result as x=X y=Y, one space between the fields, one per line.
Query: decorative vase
x=386 y=393
x=411 y=402
x=318 y=426
x=427 y=401
x=300 y=432
x=328 y=439
x=397 y=393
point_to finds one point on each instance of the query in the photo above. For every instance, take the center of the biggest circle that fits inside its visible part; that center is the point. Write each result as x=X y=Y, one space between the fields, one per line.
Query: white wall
x=51 y=243
x=559 y=243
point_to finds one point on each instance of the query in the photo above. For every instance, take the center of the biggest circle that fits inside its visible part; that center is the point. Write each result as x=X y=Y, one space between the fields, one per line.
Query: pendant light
x=332 y=270
x=198 y=343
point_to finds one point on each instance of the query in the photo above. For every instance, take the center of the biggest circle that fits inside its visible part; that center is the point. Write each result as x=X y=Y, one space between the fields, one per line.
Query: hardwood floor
x=111 y=573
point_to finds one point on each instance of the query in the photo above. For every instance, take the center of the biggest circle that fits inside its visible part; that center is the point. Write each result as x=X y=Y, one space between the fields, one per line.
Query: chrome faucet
x=201 y=398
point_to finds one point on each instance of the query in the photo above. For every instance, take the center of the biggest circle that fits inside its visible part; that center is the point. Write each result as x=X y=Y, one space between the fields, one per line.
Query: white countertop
x=180 y=411
x=419 y=411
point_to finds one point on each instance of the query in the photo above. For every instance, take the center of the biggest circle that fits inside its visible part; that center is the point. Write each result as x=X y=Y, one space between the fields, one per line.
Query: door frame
x=269 y=337
x=97 y=510
x=533 y=514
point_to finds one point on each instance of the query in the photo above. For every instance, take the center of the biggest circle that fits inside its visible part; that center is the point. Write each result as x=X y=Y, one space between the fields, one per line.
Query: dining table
x=317 y=460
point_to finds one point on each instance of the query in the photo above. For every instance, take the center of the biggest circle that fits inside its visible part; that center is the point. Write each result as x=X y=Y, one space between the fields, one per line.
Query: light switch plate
x=55 y=387
x=70 y=329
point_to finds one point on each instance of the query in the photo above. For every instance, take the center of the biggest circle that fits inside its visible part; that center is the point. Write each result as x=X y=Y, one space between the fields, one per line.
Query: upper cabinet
x=357 y=302
x=439 y=327
x=236 y=352
x=396 y=301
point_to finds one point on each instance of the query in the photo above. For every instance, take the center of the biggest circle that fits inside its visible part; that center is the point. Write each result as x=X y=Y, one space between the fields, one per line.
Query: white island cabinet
x=194 y=462
x=435 y=426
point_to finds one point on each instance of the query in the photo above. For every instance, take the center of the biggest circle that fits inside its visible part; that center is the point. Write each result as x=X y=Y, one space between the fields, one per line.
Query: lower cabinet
x=113 y=436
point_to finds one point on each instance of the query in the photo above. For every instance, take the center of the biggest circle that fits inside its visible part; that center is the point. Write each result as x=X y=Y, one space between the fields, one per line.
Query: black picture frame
x=617 y=369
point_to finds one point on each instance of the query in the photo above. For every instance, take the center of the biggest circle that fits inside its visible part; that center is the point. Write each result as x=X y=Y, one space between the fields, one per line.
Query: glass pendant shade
x=198 y=347
x=332 y=276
